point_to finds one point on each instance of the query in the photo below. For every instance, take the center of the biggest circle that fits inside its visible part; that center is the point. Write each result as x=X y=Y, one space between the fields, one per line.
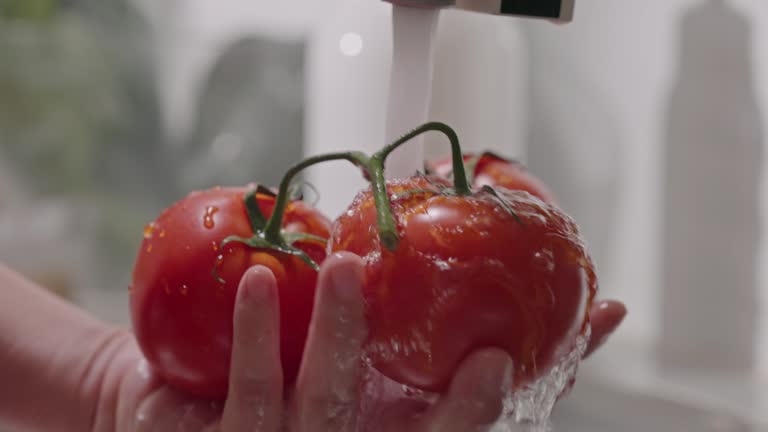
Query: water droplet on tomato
x=217 y=270
x=544 y=260
x=442 y=264
x=184 y=290
x=208 y=221
x=166 y=287
x=215 y=246
x=149 y=248
x=149 y=230
x=162 y=233
x=296 y=227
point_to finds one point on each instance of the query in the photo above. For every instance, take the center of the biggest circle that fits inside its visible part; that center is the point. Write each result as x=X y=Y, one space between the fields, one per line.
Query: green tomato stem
x=255 y=216
x=385 y=217
x=460 y=182
x=275 y=222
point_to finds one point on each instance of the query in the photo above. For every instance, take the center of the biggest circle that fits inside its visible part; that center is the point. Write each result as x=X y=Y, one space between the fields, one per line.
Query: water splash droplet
x=531 y=405
x=149 y=230
x=184 y=289
x=410 y=391
x=215 y=247
x=143 y=369
x=162 y=233
x=442 y=264
x=217 y=270
x=149 y=248
x=208 y=221
x=544 y=260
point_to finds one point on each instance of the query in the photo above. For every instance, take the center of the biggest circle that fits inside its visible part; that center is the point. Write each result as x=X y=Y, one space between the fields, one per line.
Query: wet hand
x=605 y=316
x=336 y=392
x=255 y=400
x=333 y=387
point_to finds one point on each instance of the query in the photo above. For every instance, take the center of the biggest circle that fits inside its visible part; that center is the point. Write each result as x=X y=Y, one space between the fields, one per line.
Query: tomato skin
x=467 y=275
x=493 y=170
x=182 y=314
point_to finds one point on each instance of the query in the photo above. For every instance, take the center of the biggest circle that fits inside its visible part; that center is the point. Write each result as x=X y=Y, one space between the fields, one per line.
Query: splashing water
x=526 y=409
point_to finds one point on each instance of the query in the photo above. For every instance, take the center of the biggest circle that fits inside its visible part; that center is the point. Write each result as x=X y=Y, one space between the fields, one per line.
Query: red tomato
x=483 y=270
x=182 y=312
x=493 y=170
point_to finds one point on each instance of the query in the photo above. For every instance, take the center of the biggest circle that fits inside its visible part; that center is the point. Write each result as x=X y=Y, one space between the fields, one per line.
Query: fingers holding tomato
x=470 y=272
x=451 y=267
x=186 y=277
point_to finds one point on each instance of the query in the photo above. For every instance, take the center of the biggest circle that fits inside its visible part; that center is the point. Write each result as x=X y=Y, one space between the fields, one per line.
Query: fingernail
x=616 y=311
x=498 y=372
x=345 y=273
x=618 y=307
x=346 y=284
x=339 y=255
x=256 y=288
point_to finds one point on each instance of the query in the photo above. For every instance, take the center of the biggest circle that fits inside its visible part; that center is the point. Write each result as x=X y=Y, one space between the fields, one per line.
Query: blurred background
x=646 y=118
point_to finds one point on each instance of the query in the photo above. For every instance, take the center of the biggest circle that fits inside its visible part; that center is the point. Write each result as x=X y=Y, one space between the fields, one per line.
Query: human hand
x=333 y=386
x=327 y=396
x=605 y=317
x=136 y=399
x=336 y=392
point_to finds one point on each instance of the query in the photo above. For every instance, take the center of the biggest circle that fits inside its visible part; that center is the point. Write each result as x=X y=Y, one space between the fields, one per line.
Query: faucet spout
x=556 y=10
